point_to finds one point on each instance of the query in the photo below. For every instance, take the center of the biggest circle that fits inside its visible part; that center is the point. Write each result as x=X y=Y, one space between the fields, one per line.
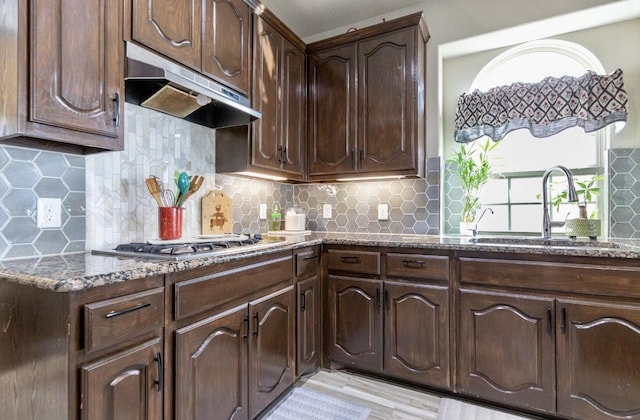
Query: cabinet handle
x=284 y=155
x=387 y=304
x=313 y=257
x=257 y=329
x=160 y=381
x=350 y=260
x=116 y=109
x=378 y=305
x=280 y=154
x=361 y=156
x=409 y=263
x=563 y=324
x=128 y=310
x=303 y=302
x=549 y=322
x=245 y=321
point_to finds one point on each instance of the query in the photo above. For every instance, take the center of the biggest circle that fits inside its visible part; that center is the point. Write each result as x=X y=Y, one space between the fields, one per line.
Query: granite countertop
x=74 y=272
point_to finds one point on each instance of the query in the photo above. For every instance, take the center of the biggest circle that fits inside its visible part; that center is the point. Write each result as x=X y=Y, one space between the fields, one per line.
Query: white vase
x=466 y=228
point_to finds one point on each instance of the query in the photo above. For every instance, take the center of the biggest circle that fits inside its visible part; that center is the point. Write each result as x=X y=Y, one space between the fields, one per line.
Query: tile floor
x=385 y=399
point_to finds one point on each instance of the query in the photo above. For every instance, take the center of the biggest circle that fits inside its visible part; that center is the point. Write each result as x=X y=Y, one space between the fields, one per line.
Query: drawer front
x=364 y=262
x=116 y=320
x=204 y=293
x=307 y=262
x=433 y=267
x=591 y=279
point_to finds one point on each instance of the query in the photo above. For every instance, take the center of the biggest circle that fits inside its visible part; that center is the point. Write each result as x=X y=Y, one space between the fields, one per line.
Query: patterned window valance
x=590 y=101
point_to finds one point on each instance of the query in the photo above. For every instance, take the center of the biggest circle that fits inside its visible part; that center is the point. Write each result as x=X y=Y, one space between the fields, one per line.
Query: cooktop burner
x=177 y=250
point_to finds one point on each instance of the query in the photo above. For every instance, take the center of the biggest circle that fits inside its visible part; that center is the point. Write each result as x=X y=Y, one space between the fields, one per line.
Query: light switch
x=262 y=211
x=383 y=211
x=326 y=211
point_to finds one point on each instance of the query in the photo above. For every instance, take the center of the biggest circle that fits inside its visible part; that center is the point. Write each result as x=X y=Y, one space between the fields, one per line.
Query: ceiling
x=311 y=17
x=448 y=20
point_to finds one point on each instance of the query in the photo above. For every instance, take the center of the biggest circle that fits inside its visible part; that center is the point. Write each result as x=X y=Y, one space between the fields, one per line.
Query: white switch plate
x=383 y=212
x=262 y=210
x=49 y=213
x=326 y=211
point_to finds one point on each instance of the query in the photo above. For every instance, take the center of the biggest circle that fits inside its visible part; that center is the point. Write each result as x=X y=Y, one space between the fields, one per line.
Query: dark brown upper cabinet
x=273 y=144
x=62 y=78
x=211 y=36
x=366 y=101
x=280 y=81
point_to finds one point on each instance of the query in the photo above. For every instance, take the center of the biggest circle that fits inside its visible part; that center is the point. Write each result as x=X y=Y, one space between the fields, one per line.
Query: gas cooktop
x=200 y=247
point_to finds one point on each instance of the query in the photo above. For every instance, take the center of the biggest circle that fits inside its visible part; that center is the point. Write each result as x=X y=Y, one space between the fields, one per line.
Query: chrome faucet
x=572 y=197
x=474 y=231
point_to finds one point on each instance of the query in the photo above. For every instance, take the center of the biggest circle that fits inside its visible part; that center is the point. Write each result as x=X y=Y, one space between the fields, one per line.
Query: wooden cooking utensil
x=196 y=183
x=154 y=189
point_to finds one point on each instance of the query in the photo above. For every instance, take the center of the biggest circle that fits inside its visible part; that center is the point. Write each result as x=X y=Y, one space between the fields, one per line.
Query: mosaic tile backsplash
x=105 y=200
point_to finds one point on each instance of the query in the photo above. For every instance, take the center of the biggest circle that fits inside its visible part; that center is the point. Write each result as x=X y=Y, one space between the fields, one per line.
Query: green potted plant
x=474 y=169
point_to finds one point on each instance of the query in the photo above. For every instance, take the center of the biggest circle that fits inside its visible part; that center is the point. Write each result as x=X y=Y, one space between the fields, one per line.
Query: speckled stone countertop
x=74 y=272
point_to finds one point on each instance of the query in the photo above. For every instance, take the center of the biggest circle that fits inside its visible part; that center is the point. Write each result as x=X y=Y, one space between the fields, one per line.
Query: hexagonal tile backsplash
x=26 y=175
x=105 y=201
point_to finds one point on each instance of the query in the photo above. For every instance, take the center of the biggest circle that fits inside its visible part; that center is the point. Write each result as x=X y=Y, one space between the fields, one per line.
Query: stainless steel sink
x=543 y=242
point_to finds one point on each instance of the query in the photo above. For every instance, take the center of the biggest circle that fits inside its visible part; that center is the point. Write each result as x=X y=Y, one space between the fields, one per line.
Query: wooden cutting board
x=217 y=213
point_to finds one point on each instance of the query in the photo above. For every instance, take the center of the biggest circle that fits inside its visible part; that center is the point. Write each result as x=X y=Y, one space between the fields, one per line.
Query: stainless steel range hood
x=155 y=82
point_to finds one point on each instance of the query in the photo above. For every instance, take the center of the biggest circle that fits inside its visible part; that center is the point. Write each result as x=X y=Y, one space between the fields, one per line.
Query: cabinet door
x=211 y=368
x=170 y=27
x=267 y=97
x=387 y=68
x=355 y=322
x=76 y=61
x=506 y=348
x=332 y=112
x=271 y=349
x=598 y=360
x=308 y=324
x=226 y=43
x=126 y=386
x=416 y=340
x=294 y=103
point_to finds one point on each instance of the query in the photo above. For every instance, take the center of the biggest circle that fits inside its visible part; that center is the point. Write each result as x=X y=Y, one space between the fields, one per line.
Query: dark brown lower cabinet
x=414 y=343
x=233 y=365
x=355 y=322
x=271 y=349
x=416 y=339
x=309 y=334
x=514 y=347
x=506 y=348
x=598 y=360
x=211 y=367
x=125 y=386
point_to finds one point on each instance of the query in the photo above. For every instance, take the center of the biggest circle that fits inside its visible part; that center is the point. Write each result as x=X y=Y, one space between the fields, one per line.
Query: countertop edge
x=80 y=271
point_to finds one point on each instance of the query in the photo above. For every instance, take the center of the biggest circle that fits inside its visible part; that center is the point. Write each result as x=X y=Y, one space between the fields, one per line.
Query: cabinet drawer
x=435 y=267
x=204 y=293
x=364 y=262
x=307 y=262
x=605 y=280
x=115 y=320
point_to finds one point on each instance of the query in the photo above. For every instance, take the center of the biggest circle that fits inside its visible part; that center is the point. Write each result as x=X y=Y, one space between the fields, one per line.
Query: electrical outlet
x=383 y=212
x=262 y=211
x=49 y=213
x=326 y=211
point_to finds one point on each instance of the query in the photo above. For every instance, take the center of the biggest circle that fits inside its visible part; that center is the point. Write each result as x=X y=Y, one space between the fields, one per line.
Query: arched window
x=521 y=159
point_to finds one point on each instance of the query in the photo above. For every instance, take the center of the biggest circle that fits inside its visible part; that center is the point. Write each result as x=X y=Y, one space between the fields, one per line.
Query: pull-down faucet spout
x=572 y=196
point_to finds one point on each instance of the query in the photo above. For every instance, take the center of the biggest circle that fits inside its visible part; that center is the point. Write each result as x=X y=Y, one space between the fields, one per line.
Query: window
x=521 y=159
